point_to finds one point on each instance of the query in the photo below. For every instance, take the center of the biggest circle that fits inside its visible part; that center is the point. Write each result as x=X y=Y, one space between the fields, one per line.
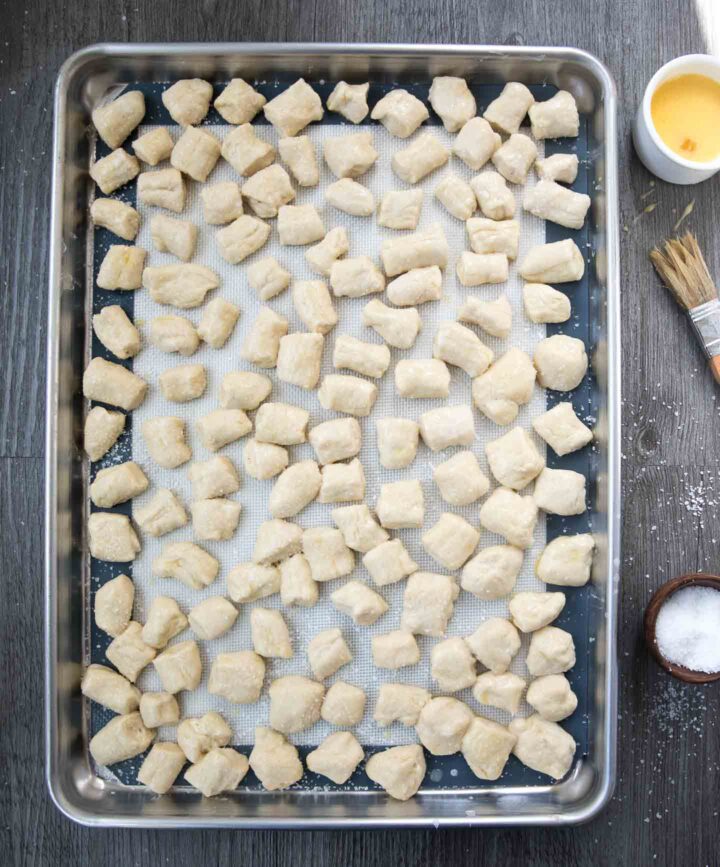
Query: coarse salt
x=687 y=629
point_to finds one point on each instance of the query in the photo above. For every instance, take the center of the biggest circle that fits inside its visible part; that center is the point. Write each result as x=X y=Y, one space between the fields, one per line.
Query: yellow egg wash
x=686 y=114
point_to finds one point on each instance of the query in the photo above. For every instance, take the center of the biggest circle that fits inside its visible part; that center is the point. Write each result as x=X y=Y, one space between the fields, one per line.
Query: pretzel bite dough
x=507 y=111
x=562 y=429
x=222 y=202
x=400 y=209
x=561 y=362
x=514 y=158
x=558 y=167
x=550 y=201
x=416 y=286
x=178 y=237
x=543 y=746
x=370 y=359
x=274 y=761
x=111 y=537
x=556 y=117
x=295 y=487
x=336 y=440
x=164 y=189
x=495 y=643
x=422 y=378
x=350 y=156
x=222 y=426
x=492 y=573
x=350 y=197
x=183 y=286
x=237 y=677
x=338 y=755
x=113 y=605
x=160 y=709
x=389 y=563
x=428 y=603
x=486 y=748
x=117 y=217
x=239 y=102
x=348 y=394
x=494 y=236
x=183 y=383
x=476 y=143
x=359 y=602
x=452 y=666
x=267 y=190
x=510 y=515
x=122 y=738
x=495 y=317
x=496 y=201
x=282 y=424
x=161 y=767
x=321 y=257
x=299 y=359
x=116 y=332
x=173 y=334
x=102 y=429
x=264 y=460
x=552 y=697
x=450 y=541
x=459 y=346
x=442 y=724
x=110 y=689
x=195 y=153
x=460 y=479
x=552 y=651
x=242 y=238
x=544 y=304
x=532 y=611
x=262 y=343
x=276 y=540
x=505 y=386
x=114 y=170
x=349 y=100
x=293 y=109
x=560 y=492
x=299 y=224
x=397 y=442
x=121 y=268
x=116 y=120
x=295 y=703
x=117 y=484
x=218 y=771
x=188 y=563
x=327 y=652
x=188 y=100
x=400 y=113
x=423 y=156
x=245 y=152
x=196 y=736
x=327 y=554
x=299 y=154
x=268 y=278
x=514 y=460
x=249 y=582
x=270 y=635
x=396 y=649
x=398 y=770
x=360 y=530
x=452 y=100
x=503 y=691
x=165 y=441
x=342 y=483
x=398 y=702
x=155 y=146
x=456 y=196
x=399 y=328
x=401 y=504
x=129 y=653
x=566 y=561
x=212 y=618
x=217 y=322
x=356 y=277
x=447 y=426
x=559 y=262
x=296 y=583
x=477 y=269
x=215 y=520
x=164 y=621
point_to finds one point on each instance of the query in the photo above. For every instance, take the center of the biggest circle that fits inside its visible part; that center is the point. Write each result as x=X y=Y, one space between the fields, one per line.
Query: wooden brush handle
x=714 y=365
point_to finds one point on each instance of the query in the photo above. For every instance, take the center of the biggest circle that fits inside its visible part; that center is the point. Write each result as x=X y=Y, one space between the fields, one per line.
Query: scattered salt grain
x=687 y=629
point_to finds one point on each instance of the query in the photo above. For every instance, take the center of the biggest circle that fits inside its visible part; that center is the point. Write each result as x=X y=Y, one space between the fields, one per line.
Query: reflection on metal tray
x=520 y=796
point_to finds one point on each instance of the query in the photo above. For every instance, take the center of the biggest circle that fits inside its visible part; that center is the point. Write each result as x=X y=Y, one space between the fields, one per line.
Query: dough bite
x=111 y=537
x=514 y=459
x=479 y=269
x=349 y=100
x=270 y=635
x=456 y=197
x=343 y=705
x=129 y=653
x=562 y=430
x=249 y=582
x=274 y=761
x=116 y=120
x=360 y=530
x=327 y=554
x=242 y=238
x=114 y=171
x=117 y=217
x=508 y=384
x=121 y=268
x=218 y=322
x=486 y=748
x=276 y=540
x=245 y=152
x=560 y=492
x=195 y=153
x=237 y=677
x=452 y=665
x=460 y=479
x=196 y=736
x=492 y=573
x=556 y=117
x=396 y=649
x=264 y=460
x=327 y=652
x=356 y=277
x=350 y=197
x=399 y=328
x=110 y=689
x=113 y=605
x=336 y=440
x=122 y=738
x=188 y=563
x=221 y=427
x=268 y=190
x=161 y=767
x=561 y=362
x=337 y=757
x=496 y=201
x=297 y=586
x=323 y=255
x=400 y=702
x=347 y=394
x=401 y=504
x=566 y=560
x=397 y=442
x=179 y=667
x=389 y=562
x=442 y=724
x=451 y=541
x=507 y=513
x=458 y=345
x=514 y=158
x=262 y=343
x=400 y=113
x=507 y=112
x=558 y=167
x=220 y=770
x=239 y=102
x=212 y=617
x=416 y=286
x=428 y=603
x=164 y=438
x=552 y=697
x=557 y=204
x=295 y=703
x=503 y=691
x=532 y=611
x=293 y=109
x=423 y=156
x=173 y=334
x=299 y=154
x=102 y=430
x=370 y=359
x=452 y=100
x=299 y=224
x=495 y=644
x=543 y=304
x=188 y=100
x=164 y=189
x=183 y=383
x=268 y=278
x=398 y=770
x=476 y=143
x=495 y=317
x=559 y=262
x=447 y=426
x=400 y=209
x=494 y=236
x=155 y=146
x=163 y=622
x=118 y=484
x=422 y=378
x=299 y=359
x=281 y=424
x=178 y=237
x=543 y=746
x=359 y=602
x=350 y=156
x=552 y=651
x=342 y=483
x=183 y=286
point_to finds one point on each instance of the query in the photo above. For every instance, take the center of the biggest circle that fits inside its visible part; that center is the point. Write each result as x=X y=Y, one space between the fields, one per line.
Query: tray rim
x=74 y=66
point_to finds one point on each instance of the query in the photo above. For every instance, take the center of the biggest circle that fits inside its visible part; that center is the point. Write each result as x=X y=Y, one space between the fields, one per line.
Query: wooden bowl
x=651 y=614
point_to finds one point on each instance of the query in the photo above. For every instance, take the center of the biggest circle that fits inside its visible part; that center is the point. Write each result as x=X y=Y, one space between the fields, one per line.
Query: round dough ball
x=552 y=697
x=561 y=362
x=495 y=642
x=442 y=724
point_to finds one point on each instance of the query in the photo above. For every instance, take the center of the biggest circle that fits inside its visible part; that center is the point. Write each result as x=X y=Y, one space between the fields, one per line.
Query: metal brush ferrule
x=705 y=321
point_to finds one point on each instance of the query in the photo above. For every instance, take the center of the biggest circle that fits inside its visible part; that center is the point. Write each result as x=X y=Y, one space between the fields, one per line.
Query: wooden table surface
x=666 y=807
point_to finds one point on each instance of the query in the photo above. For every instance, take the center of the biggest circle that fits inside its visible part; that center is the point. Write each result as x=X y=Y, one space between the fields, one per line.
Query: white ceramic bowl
x=655 y=155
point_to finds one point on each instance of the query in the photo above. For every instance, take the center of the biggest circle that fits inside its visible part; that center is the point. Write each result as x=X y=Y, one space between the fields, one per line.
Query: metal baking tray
x=518 y=798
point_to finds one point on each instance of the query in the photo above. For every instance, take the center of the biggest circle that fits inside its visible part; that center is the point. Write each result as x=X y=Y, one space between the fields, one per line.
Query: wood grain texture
x=665 y=808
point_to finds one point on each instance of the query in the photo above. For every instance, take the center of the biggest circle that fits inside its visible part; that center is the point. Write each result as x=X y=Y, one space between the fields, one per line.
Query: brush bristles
x=682 y=269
